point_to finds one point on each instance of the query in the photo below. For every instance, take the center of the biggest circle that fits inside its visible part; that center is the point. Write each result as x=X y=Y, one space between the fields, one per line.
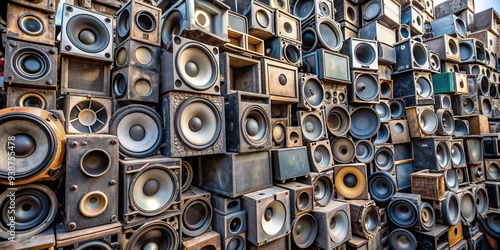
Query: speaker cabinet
x=135 y=84
x=30 y=25
x=338 y=120
x=347 y=11
x=48 y=6
x=138 y=21
x=446 y=46
x=476 y=242
x=86 y=34
x=320 y=156
x=323 y=189
x=413 y=18
x=30 y=65
x=461 y=128
x=248 y=121
x=473 y=149
x=104 y=236
x=280 y=81
x=385 y=11
x=241 y=173
x=279 y=132
x=487 y=19
x=239 y=74
x=386 y=53
x=196 y=212
x=485 y=106
x=230 y=225
x=301 y=198
x=435 y=239
x=210 y=240
x=293 y=137
x=403 y=210
x=365 y=218
x=402 y=239
x=442 y=101
x=334 y=224
x=37 y=139
x=336 y=95
x=364 y=53
x=236 y=242
x=284 y=50
x=312 y=92
x=365 y=88
x=29 y=97
x=382 y=186
x=384 y=158
x=261 y=19
x=468 y=207
x=304 y=231
x=422 y=120
x=397 y=109
x=321 y=33
x=377 y=31
x=450 y=82
x=492 y=167
x=270 y=209
x=316 y=63
x=448 y=211
x=449 y=25
x=195 y=124
x=472 y=51
x=287 y=26
x=446 y=123
x=137 y=55
x=84 y=77
x=289 y=163
x=437 y=147
x=306 y=10
x=223 y=205
x=385 y=73
x=399 y=131
x=448 y=8
x=489 y=39
x=34 y=205
x=163 y=233
x=476 y=173
x=457 y=151
x=470 y=231
x=148 y=187
x=365 y=122
x=478 y=125
x=411 y=55
x=343 y=149
x=281 y=243
x=312 y=124
x=465 y=105
x=351 y=181
x=190 y=66
x=87 y=115
x=493 y=194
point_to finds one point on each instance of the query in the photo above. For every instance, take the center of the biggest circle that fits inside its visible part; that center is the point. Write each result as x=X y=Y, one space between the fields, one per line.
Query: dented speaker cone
x=382 y=186
x=350 y=182
x=450 y=209
x=446 y=122
x=467 y=207
x=403 y=212
x=427 y=216
x=323 y=190
x=451 y=179
x=153 y=190
x=155 y=235
x=343 y=149
x=304 y=230
x=364 y=151
x=365 y=123
x=402 y=239
x=338 y=121
x=196 y=217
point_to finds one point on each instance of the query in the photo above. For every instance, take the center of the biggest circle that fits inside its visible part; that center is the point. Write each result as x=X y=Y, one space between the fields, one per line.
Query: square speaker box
x=86 y=34
x=414 y=19
x=323 y=188
x=493 y=189
x=431 y=153
x=414 y=87
x=313 y=125
x=261 y=19
x=456 y=6
x=411 y=55
x=321 y=33
x=315 y=10
x=385 y=72
x=472 y=51
x=311 y=92
x=301 y=197
x=334 y=225
x=478 y=125
x=289 y=163
x=81 y=76
x=430 y=186
x=241 y=173
x=194 y=124
x=279 y=132
x=270 y=209
x=91 y=196
x=336 y=95
x=31 y=97
x=136 y=84
x=105 y=236
x=450 y=25
x=293 y=137
x=190 y=66
x=458 y=158
x=442 y=101
x=138 y=21
x=492 y=167
x=210 y=240
x=487 y=19
x=361 y=211
x=339 y=71
x=240 y=73
x=347 y=11
x=476 y=173
x=387 y=12
x=30 y=25
x=280 y=81
x=230 y=225
x=48 y=6
x=351 y=181
x=320 y=156
x=87 y=115
x=365 y=87
x=449 y=67
x=465 y=105
x=377 y=31
x=196 y=212
x=284 y=50
x=446 y=46
x=137 y=54
x=363 y=53
x=287 y=26
x=248 y=121
x=255 y=46
x=437 y=238
x=348 y=30
x=400 y=133
x=164 y=232
x=224 y=205
x=30 y=65
x=139 y=202
x=467 y=16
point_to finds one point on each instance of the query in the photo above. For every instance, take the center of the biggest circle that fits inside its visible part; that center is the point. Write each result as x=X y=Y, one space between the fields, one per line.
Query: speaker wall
x=85 y=77
x=414 y=88
x=87 y=115
x=261 y=19
x=101 y=237
x=402 y=239
x=280 y=81
x=35 y=207
x=196 y=211
x=338 y=120
x=315 y=63
x=301 y=198
x=138 y=21
x=343 y=149
x=365 y=218
x=39 y=140
x=334 y=227
x=381 y=186
x=320 y=156
x=351 y=181
x=422 y=121
x=161 y=234
x=30 y=25
x=365 y=123
x=28 y=97
x=412 y=55
x=364 y=151
x=321 y=33
x=363 y=52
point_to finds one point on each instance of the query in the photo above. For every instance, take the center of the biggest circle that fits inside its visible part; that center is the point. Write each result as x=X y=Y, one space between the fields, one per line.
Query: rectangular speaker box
x=257 y=205
x=139 y=21
x=196 y=55
x=384 y=219
x=104 y=235
x=224 y=205
x=411 y=17
x=448 y=25
x=280 y=81
x=450 y=82
x=414 y=87
x=476 y=173
x=284 y=50
x=169 y=225
x=387 y=12
x=403 y=171
x=465 y=105
x=31 y=97
x=316 y=125
x=87 y=115
x=311 y=92
x=287 y=26
x=362 y=210
x=472 y=51
x=437 y=238
x=279 y=133
x=230 y=225
x=454 y=6
x=419 y=4
x=491 y=147
x=442 y=101
x=136 y=204
x=210 y=240
x=137 y=54
x=80 y=76
x=255 y=46
x=337 y=70
x=363 y=53
x=385 y=72
x=293 y=137
x=240 y=73
x=418 y=119
x=30 y=25
x=261 y=19
x=446 y=46
x=301 y=197
x=281 y=243
x=411 y=55
x=450 y=67
x=477 y=242
x=386 y=53
x=241 y=109
x=487 y=19
x=207 y=114
x=399 y=131
x=347 y=11
x=493 y=189
x=340 y=213
x=241 y=173
x=346 y=190
x=492 y=167
x=431 y=153
x=237 y=22
x=320 y=156
x=237 y=42
x=403 y=152
x=429 y=186
x=365 y=88
x=478 y=125
x=377 y=31
x=136 y=84
x=91 y=196
x=289 y=163
x=489 y=39
x=322 y=183
x=191 y=200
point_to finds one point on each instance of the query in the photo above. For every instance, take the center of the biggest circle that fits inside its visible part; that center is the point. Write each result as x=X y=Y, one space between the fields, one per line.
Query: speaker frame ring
x=402 y=232
x=101 y=48
x=148 y=14
x=21 y=99
x=23 y=29
x=20 y=54
x=325 y=200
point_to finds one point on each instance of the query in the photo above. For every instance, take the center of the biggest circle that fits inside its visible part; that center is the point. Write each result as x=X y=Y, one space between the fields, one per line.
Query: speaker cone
x=493 y=88
x=313 y=92
x=365 y=54
x=397 y=109
x=402 y=239
x=323 y=190
x=451 y=179
x=446 y=122
x=384 y=159
x=34 y=100
x=486 y=107
x=461 y=128
x=303 y=201
x=383 y=110
x=338 y=121
x=420 y=54
x=156 y=235
x=31 y=24
x=321 y=156
x=383 y=134
x=196 y=217
x=93 y=204
x=87 y=33
x=468 y=105
x=492 y=223
x=450 y=209
x=187 y=175
x=435 y=62
x=88 y=116
x=145 y=21
x=457 y=154
x=303 y=9
x=304 y=230
x=364 y=151
x=385 y=89
x=427 y=216
x=236 y=243
x=423 y=87
x=172 y=25
x=255 y=126
x=466 y=51
x=371 y=220
x=382 y=186
x=274 y=218
x=365 y=123
x=95 y=162
x=350 y=182
x=371 y=10
x=35 y=209
x=153 y=190
x=339 y=226
x=291 y=53
x=139 y=130
x=427 y=121
x=484 y=85
x=343 y=149
x=482 y=201
x=443 y=154
x=403 y=212
x=329 y=34
x=120 y=85
x=367 y=87
x=312 y=127
x=123 y=24
x=196 y=66
x=468 y=207
x=480 y=51
x=31 y=64
x=279 y=133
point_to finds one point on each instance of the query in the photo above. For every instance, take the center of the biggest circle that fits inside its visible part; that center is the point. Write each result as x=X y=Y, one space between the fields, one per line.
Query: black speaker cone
x=31 y=25
x=95 y=162
x=236 y=243
x=255 y=126
x=145 y=21
x=304 y=230
x=403 y=212
x=365 y=54
x=365 y=123
x=196 y=217
x=87 y=33
x=382 y=186
x=31 y=64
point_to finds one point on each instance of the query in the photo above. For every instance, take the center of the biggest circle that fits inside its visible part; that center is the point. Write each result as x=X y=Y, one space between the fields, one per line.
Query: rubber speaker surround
x=403 y=213
x=350 y=182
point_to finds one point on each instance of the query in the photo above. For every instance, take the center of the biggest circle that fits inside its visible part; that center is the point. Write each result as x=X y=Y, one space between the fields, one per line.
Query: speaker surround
x=323 y=189
x=338 y=120
x=414 y=88
x=343 y=149
x=351 y=181
x=402 y=239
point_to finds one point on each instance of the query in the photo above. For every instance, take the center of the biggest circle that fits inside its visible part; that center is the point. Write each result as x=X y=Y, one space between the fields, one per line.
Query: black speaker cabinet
x=280 y=81
x=307 y=10
x=163 y=233
x=289 y=163
x=472 y=51
x=261 y=19
x=363 y=53
x=196 y=213
x=230 y=225
x=242 y=173
x=442 y=101
x=316 y=63
x=338 y=120
x=477 y=242
x=85 y=77
x=435 y=239
x=313 y=125
x=35 y=219
x=190 y=66
x=321 y=33
x=136 y=84
x=493 y=191
x=365 y=218
x=365 y=122
x=248 y=121
x=304 y=231
x=37 y=138
x=351 y=181
x=239 y=73
x=385 y=11
x=86 y=34
x=365 y=88
x=414 y=87
x=30 y=97
x=138 y=55
x=91 y=196
x=411 y=55
x=312 y=92
x=87 y=115
x=334 y=224
x=422 y=121
x=30 y=25
x=270 y=210
x=48 y=6
x=103 y=236
x=320 y=156
x=437 y=147
x=30 y=65
x=347 y=11
x=149 y=187
x=491 y=146
x=138 y=21
x=210 y=240
x=284 y=50
x=194 y=124
x=223 y=205
x=446 y=46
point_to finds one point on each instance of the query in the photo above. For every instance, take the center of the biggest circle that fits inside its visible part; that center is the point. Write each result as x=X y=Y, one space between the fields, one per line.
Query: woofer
x=492 y=223
x=427 y=121
x=382 y=186
x=321 y=155
x=461 y=127
x=338 y=121
x=304 y=230
x=457 y=154
x=467 y=207
x=95 y=162
x=481 y=200
x=427 y=216
x=384 y=111
x=196 y=217
x=153 y=190
x=172 y=26
x=402 y=239
x=196 y=66
x=450 y=209
x=366 y=86
x=364 y=151
x=384 y=158
x=93 y=204
x=403 y=212
x=423 y=87
x=343 y=149
x=312 y=125
x=329 y=34
x=313 y=92
x=443 y=154
x=365 y=123
x=323 y=190
x=187 y=175
x=365 y=53
x=339 y=226
x=420 y=54
x=350 y=181
x=236 y=243
x=446 y=123
x=451 y=179
x=156 y=235
x=31 y=64
x=383 y=134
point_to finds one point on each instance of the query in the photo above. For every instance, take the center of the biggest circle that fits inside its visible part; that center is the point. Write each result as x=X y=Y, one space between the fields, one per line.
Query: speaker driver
x=427 y=121
x=87 y=33
x=35 y=209
x=338 y=121
x=468 y=207
x=93 y=204
x=384 y=159
x=309 y=39
x=95 y=244
x=171 y=26
x=158 y=235
x=123 y=24
x=466 y=51
x=314 y=93
x=403 y=212
x=292 y=53
x=365 y=123
x=34 y=100
x=312 y=127
x=273 y=218
x=236 y=243
x=383 y=110
x=371 y=10
x=88 y=116
x=492 y=223
x=187 y=175
x=427 y=216
x=482 y=201
x=329 y=34
x=383 y=134
x=153 y=190
x=435 y=62
x=255 y=126
x=120 y=85
x=303 y=9
x=364 y=151
x=321 y=156
x=95 y=162
x=457 y=154
x=402 y=239
x=196 y=217
x=461 y=128
x=443 y=154
x=323 y=190
x=350 y=182
x=196 y=66
x=451 y=179
x=279 y=133
x=339 y=226
x=423 y=87
x=31 y=25
x=367 y=87
x=468 y=105
x=397 y=109
x=304 y=230
x=139 y=130
x=31 y=64
x=450 y=209
x=343 y=149
x=420 y=54
x=486 y=106
x=198 y=123
x=382 y=186
x=371 y=220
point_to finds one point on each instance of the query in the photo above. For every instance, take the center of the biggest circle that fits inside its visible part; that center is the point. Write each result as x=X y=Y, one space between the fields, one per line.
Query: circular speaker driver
x=365 y=54
x=155 y=235
x=196 y=217
x=171 y=26
x=255 y=126
x=88 y=116
x=304 y=230
x=312 y=127
x=446 y=122
x=423 y=87
x=403 y=212
x=384 y=159
x=93 y=204
x=274 y=217
x=482 y=200
x=427 y=121
x=303 y=9
x=468 y=207
x=339 y=226
x=236 y=243
x=31 y=24
x=323 y=190
x=329 y=34
x=367 y=87
x=382 y=186
x=450 y=208
x=34 y=100
x=457 y=154
x=31 y=64
x=95 y=162
x=279 y=133
x=364 y=151
x=371 y=224
x=153 y=190
x=402 y=239
x=427 y=216
x=343 y=149
x=365 y=123
x=492 y=223
x=443 y=155
x=371 y=10
x=197 y=66
x=313 y=92
x=322 y=157
x=350 y=182
x=338 y=121
x=420 y=54
x=88 y=33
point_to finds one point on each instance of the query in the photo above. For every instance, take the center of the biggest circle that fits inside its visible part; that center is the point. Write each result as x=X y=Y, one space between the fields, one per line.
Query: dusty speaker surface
x=414 y=88
x=279 y=132
x=472 y=51
x=29 y=97
x=351 y=181
x=365 y=218
x=422 y=121
x=230 y=225
x=450 y=82
x=138 y=21
x=284 y=50
x=104 y=236
x=289 y=163
x=400 y=132
x=48 y=6
x=84 y=77
x=306 y=9
x=365 y=88
x=130 y=84
x=385 y=11
x=280 y=81
x=363 y=52
x=425 y=147
x=365 y=122
x=132 y=53
x=261 y=19
x=435 y=239
x=316 y=63
x=239 y=74
x=162 y=234
x=411 y=55
x=402 y=239
x=323 y=189
x=334 y=227
x=30 y=25
x=320 y=156
x=304 y=230
x=382 y=186
x=430 y=186
x=343 y=149
x=87 y=115
x=312 y=124
x=312 y=92
x=446 y=46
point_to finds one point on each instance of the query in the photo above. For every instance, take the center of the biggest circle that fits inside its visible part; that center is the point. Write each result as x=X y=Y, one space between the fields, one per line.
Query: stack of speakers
x=255 y=124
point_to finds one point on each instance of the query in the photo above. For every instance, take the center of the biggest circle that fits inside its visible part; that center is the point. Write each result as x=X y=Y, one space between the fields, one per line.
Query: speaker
x=223 y=205
x=269 y=208
x=446 y=46
x=334 y=224
x=472 y=51
x=449 y=67
x=86 y=34
x=446 y=123
x=160 y=234
x=472 y=69
x=474 y=149
x=487 y=19
x=461 y=128
x=196 y=212
x=399 y=131
x=85 y=77
x=491 y=224
x=37 y=140
x=190 y=66
x=365 y=218
x=135 y=84
x=236 y=242
x=386 y=89
x=435 y=239
x=382 y=186
x=457 y=151
x=343 y=149
x=312 y=9
x=491 y=146
x=413 y=18
x=239 y=74
x=280 y=81
x=138 y=21
x=376 y=30
x=422 y=121
x=347 y=11
x=29 y=97
x=489 y=39
x=289 y=163
x=187 y=175
x=301 y=198
x=403 y=168
x=385 y=73
x=386 y=12
x=402 y=239
x=30 y=65
x=414 y=88
x=323 y=189
x=365 y=151
x=492 y=168
x=386 y=53
x=403 y=209
x=384 y=158
x=87 y=115
x=312 y=124
x=338 y=120
x=204 y=21
x=449 y=25
x=383 y=134
x=448 y=211
x=277 y=4
x=483 y=85
x=429 y=185
x=365 y=122
x=465 y=105
x=320 y=156
x=485 y=107
x=261 y=19
x=403 y=32
x=336 y=95
x=232 y=175
x=468 y=207
x=27 y=210
x=364 y=53
x=48 y=6
x=284 y=50
x=287 y=26
x=100 y=237
x=451 y=179
x=411 y=55
x=312 y=92
x=365 y=88
x=434 y=62
x=137 y=55
x=321 y=33
x=427 y=217
x=293 y=137
x=442 y=101
x=476 y=173
x=230 y=225
x=304 y=230
x=492 y=196
x=351 y=181
x=438 y=148
x=279 y=132
x=316 y=63
x=30 y=25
